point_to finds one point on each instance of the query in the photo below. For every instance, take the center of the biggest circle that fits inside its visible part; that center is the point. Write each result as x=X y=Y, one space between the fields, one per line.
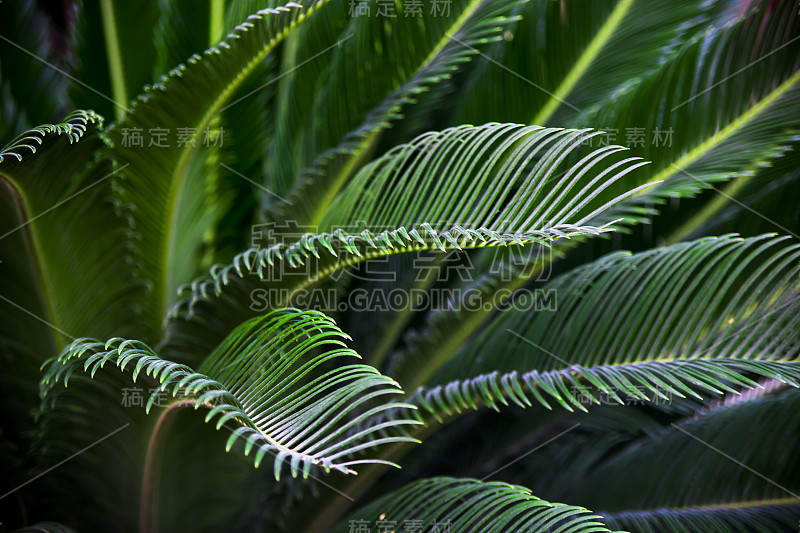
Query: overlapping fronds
x=568 y=56
x=756 y=517
x=333 y=143
x=50 y=173
x=721 y=108
x=272 y=380
x=675 y=116
x=505 y=184
x=708 y=316
x=577 y=387
x=718 y=451
x=468 y=505
x=184 y=103
x=355 y=99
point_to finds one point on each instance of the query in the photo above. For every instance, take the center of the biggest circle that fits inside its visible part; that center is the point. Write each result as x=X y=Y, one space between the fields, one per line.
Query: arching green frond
x=429 y=178
x=355 y=99
x=237 y=137
x=765 y=516
x=268 y=278
x=63 y=282
x=308 y=51
x=74 y=126
x=715 y=297
x=563 y=57
x=462 y=505
x=271 y=378
x=157 y=179
x=507 y=177
x=514 y=184
x=721 y=108
x=687 y=500
x=577 y=387
x=761 y=202
x=718 y=117
x=714 y=465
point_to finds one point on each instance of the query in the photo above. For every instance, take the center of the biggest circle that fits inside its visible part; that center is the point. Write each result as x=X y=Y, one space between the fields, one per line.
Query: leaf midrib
x=766 y=502
x=583 y=63
x=114 y=55
x=35 y=251
x=439 y=356
x=178 y=181
x=356 y=157
x=730 y=129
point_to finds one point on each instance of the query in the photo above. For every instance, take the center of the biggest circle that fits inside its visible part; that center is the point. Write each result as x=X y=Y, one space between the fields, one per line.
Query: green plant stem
x=114 y=54
x=583 y=63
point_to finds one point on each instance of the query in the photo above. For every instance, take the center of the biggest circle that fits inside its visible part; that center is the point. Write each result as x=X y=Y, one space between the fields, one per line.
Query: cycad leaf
x=356 y=97
x=765 y=516
x=762 y=202
x=721 y=296
x=273 y=380
x=157 y=178
x=563 y=57
x=720 y=108
x=732 y=462
x=697 y=316
x=710 y=141
x=263 y=279
x=577 y=387
x=462 y=505
x=308 y=51
x=63 y=282
x=469 y=186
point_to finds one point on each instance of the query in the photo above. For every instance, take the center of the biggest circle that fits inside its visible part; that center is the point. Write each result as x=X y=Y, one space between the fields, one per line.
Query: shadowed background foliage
x=207 y=207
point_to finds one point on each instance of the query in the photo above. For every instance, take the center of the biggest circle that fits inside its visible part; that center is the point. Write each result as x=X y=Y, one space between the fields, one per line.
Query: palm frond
x=709 y=142
x=474 y=506
x=717 y=451
x=157 y=181
x=770 y=190
x=567 y=56
x=307 y=54
x=694 y=321
x=718 y=296
x=625 y=384
x=726 y=100
x=513 y=186
x=765 y=516
x=342 y=131
x=50 y=173
x=270 y=380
